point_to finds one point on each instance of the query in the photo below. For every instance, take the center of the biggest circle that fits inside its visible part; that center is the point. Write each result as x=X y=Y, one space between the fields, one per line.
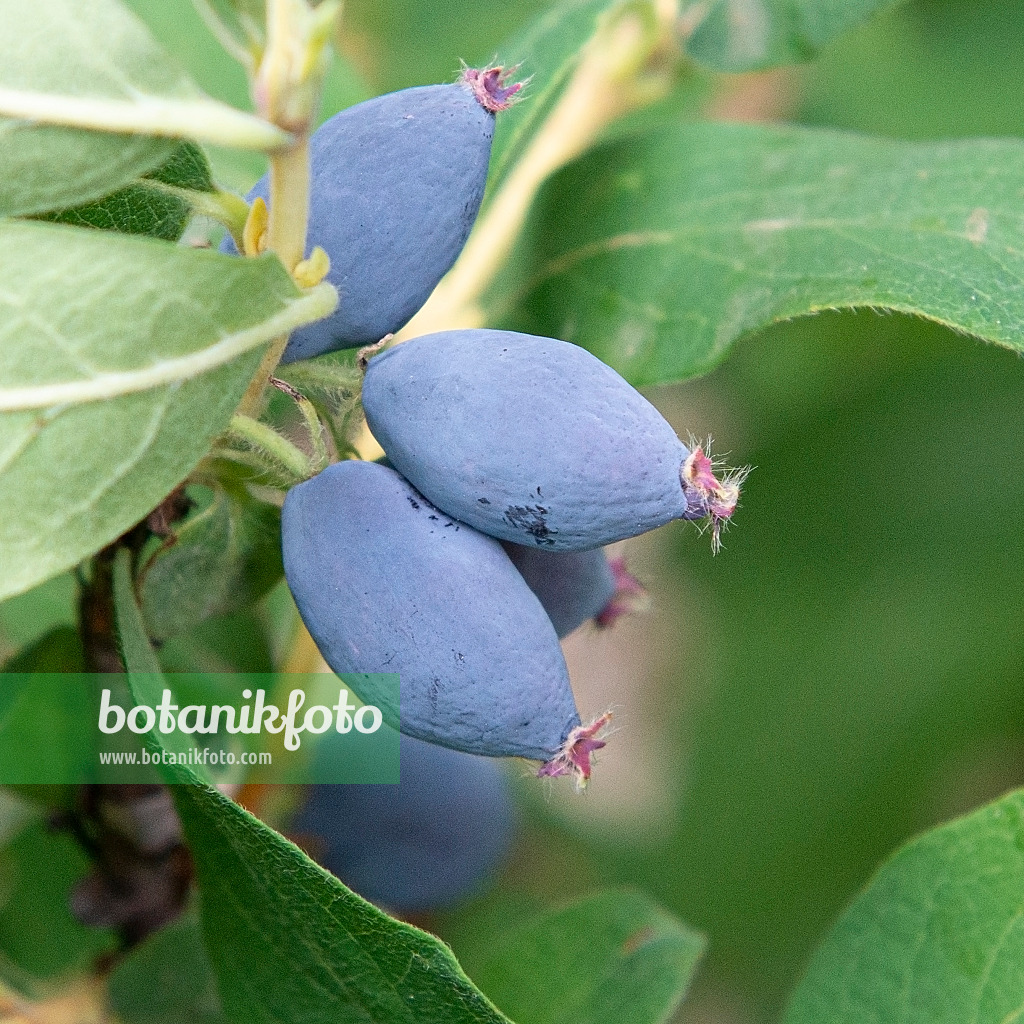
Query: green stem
x=309 y=413
x=266 y=440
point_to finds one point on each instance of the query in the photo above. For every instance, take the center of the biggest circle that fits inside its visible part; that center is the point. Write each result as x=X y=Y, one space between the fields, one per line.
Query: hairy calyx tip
x=574 y=757
x=490 y=86
x=630 y=595
x=709 y=496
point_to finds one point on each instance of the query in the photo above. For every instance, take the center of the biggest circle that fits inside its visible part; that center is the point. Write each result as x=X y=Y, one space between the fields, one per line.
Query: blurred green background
x=850 y=669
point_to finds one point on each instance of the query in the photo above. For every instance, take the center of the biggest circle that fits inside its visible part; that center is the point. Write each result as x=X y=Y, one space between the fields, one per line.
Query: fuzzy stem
x=266 y=439
x=289 y=214
x=313 y=424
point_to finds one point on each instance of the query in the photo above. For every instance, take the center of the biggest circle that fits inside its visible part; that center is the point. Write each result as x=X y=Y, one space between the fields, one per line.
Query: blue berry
x=534 y=441
x=573 y=586
x=419 y=845
x=385 y=582
x=396 y=185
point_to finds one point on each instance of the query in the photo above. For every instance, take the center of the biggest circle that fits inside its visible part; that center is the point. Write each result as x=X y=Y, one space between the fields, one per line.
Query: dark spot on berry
x=412 y=501
x=483 y=501
x=531 y=519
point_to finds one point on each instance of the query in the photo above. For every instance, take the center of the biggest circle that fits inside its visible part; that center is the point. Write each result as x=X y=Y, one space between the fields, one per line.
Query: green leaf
x=120 y=360
x=45 y=168
x=96 y=66
x=39 y=939
x=658 y=253
x=290 y=943
x=147 y=206
x=608 y=958
x=220 y=561
x=548 y=51
x=749 y=35
x=937 y=937
x=24 y=619
x=167 y=980
x=59 y=650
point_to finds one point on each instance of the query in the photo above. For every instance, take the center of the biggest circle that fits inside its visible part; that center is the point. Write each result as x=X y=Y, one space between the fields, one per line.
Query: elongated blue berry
x=396 y=185
x=535 y=441
x=385 y=582
x=419 y=845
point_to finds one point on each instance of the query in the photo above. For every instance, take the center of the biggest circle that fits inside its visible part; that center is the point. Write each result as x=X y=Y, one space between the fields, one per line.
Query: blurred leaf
x=59 y=650
x=167 y=980
x=548 y=51
x=94 y=66
x=848 y=672
x=39 y=939
x=230 y=643
x=24 y=619
x=144 y=207
x=609 y=958
x=659 y=253
x=136 y=651
x=220 y=561
x=120 y=360
x=748 y=35
x=929 y=69
x=399 y=43
x=937 y=937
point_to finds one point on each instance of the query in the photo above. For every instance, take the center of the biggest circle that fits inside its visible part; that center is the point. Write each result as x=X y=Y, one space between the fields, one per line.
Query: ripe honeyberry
x=385 y=582
x=419 y=845
x=535 y=441
x=396 y=185
x=574 y=586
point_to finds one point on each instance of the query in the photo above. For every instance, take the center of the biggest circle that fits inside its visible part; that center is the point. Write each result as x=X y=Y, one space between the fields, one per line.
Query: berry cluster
x=512 y=459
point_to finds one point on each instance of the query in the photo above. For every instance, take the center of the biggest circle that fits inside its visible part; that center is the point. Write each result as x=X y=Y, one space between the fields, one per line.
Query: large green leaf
x=94 y=66
x=660 y=252
x=147 y=206
x=937 y=937
x=288 y=941
x=747 y=35
x=120 y=360
x=609 y=958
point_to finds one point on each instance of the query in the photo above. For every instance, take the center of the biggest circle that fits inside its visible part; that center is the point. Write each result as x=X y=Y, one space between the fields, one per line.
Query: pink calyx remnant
x=489 y=86
x=630 y=595
x=574 y=757
x=713 y=498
